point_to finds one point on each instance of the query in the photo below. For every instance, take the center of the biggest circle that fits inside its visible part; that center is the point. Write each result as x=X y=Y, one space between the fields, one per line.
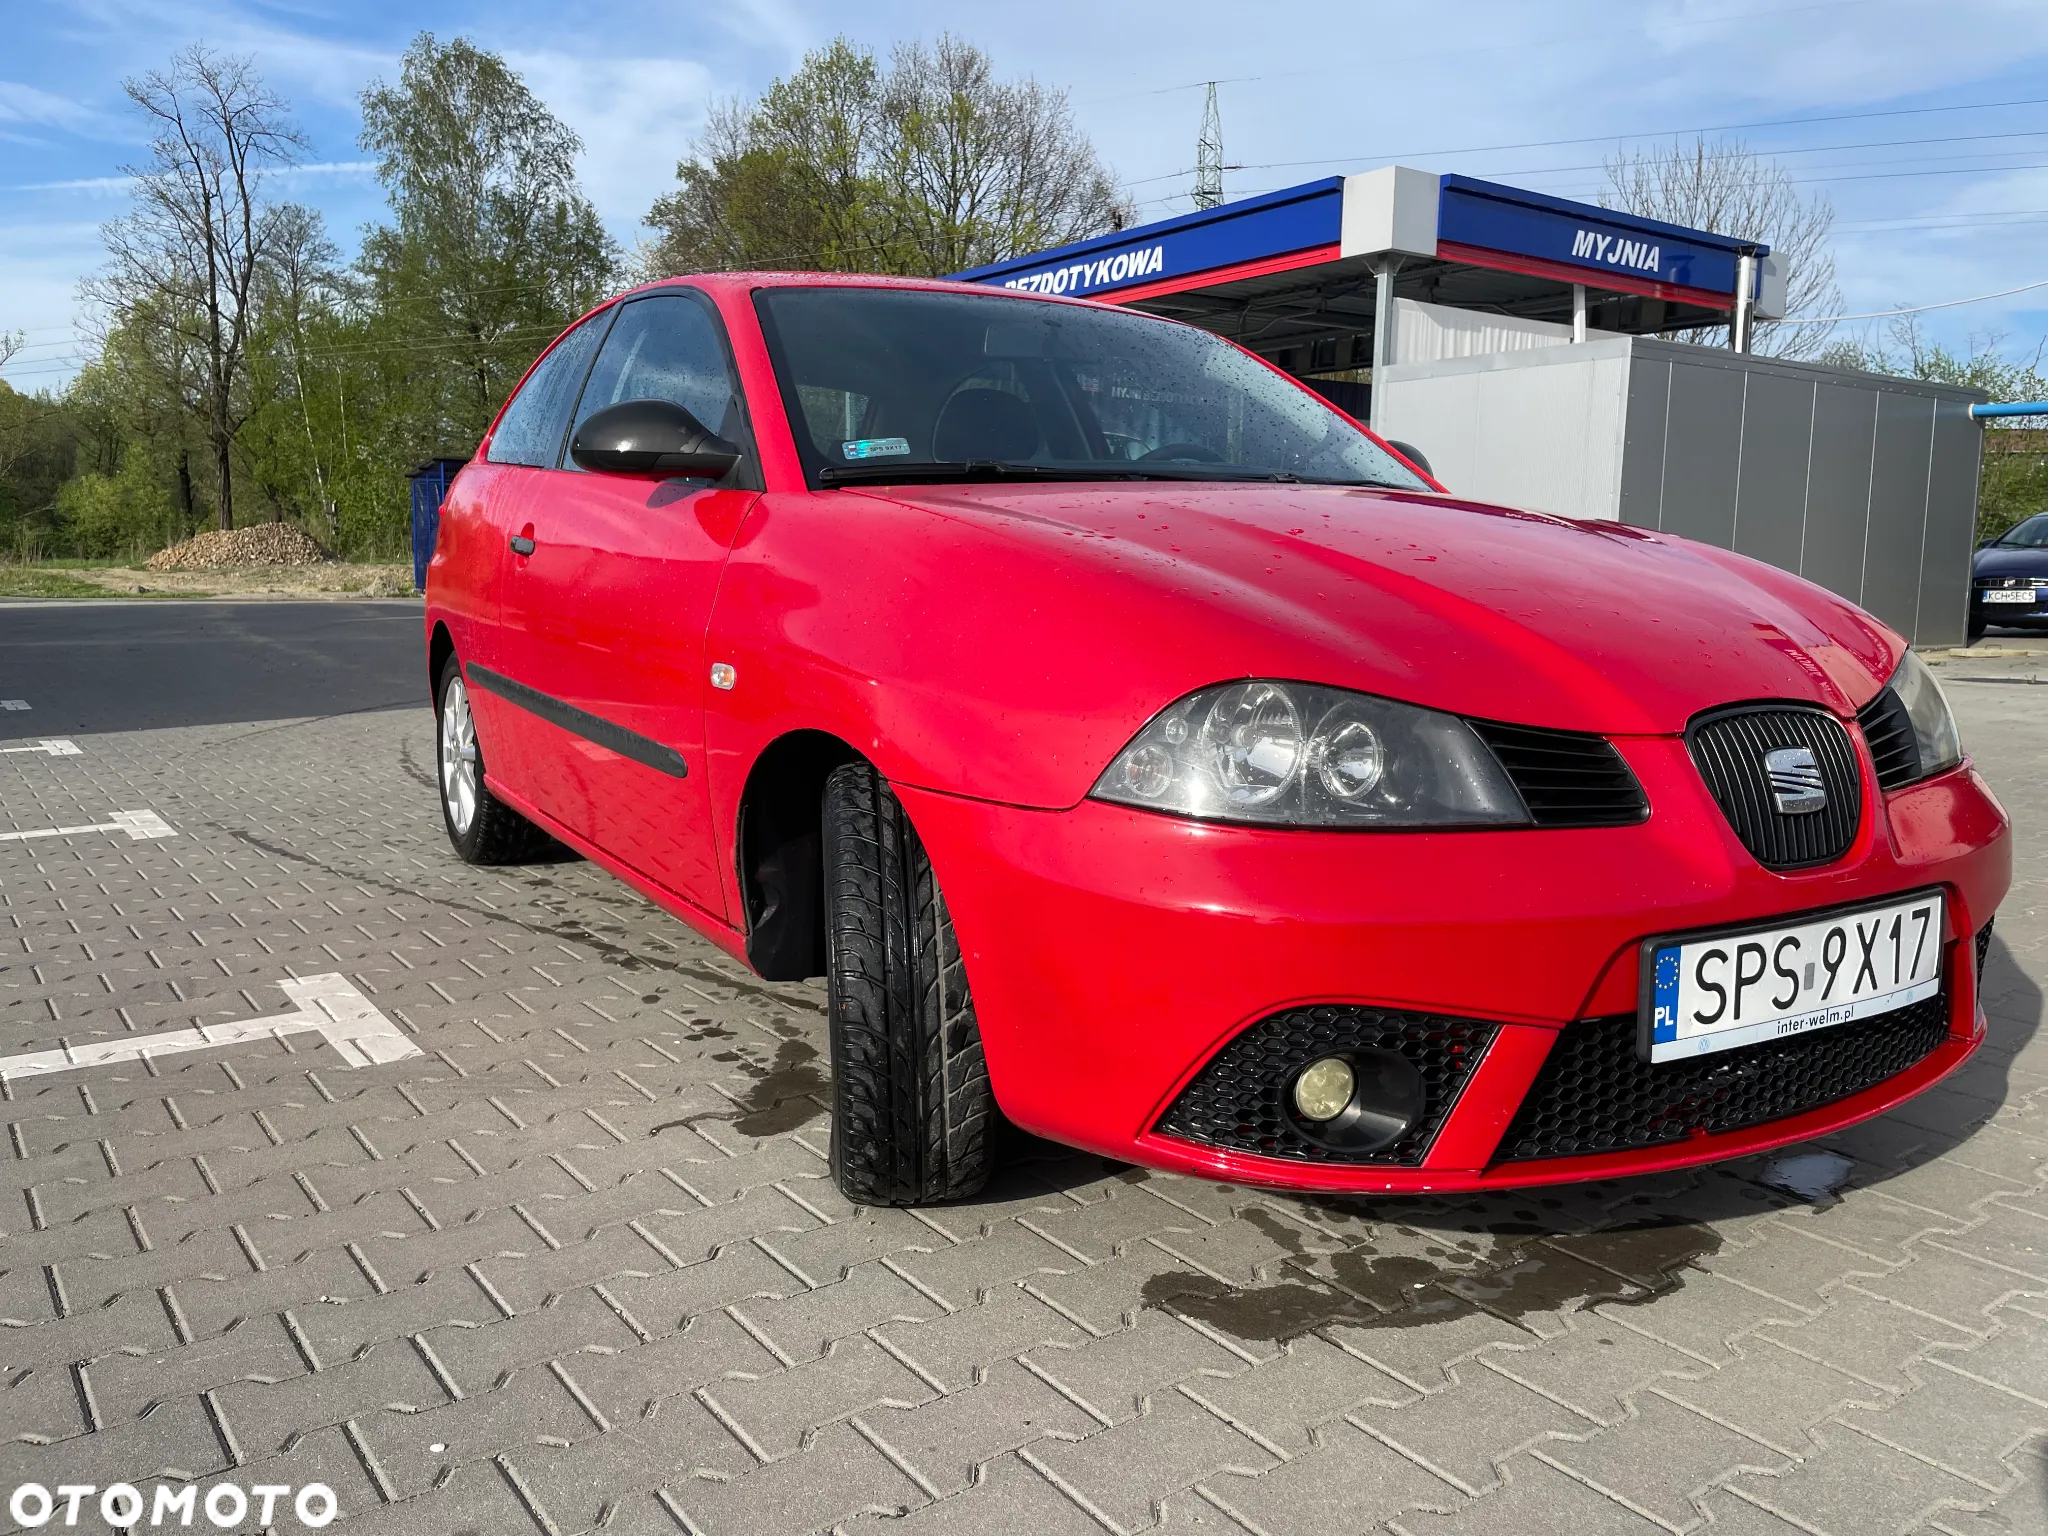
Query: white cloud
x=636 y=118
x=21 y=103
x=40 y=265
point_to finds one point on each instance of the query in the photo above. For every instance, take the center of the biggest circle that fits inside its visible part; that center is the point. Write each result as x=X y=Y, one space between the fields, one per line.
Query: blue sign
x=1296 y=219
x=1599 y=240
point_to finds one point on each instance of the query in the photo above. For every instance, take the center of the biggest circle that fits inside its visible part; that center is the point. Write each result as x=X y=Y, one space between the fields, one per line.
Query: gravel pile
x=262 y=544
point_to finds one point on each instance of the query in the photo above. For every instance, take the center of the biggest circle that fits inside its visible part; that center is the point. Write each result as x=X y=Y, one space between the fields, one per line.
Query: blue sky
x=1925 y=121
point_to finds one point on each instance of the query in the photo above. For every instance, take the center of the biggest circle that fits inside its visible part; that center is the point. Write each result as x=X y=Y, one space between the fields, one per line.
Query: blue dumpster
x=429 y=486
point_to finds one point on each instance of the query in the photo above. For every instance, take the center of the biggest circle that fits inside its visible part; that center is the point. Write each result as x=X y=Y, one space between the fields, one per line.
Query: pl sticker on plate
x=875 y=447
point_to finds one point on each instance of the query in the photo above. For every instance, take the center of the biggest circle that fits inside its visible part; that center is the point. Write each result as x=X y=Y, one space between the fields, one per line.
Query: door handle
x=521 y=544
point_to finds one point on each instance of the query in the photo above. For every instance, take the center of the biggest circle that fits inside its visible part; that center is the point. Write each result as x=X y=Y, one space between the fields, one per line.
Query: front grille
x=1235 y=1101
x=1889 y=731
x=1566 y=778
x=1594 y=1094
x=1728 y=747
x=1983 y=945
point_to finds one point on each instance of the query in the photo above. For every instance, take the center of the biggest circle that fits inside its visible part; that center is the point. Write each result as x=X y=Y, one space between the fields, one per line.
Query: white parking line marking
x=326 y=1005
x=137 y=824
x=49 y=747
x=13 y=703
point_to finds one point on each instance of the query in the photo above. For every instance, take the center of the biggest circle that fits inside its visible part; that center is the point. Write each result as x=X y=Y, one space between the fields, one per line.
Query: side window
x=532 y=429
x=667 y=347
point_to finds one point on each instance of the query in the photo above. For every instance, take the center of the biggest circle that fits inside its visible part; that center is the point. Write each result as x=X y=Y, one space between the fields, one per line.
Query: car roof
x=747 y=281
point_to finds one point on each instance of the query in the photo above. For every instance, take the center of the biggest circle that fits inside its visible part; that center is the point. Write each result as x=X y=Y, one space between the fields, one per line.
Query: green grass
x=36 y=581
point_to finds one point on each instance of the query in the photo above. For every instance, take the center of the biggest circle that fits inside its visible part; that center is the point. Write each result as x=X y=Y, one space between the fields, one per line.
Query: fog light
x=1361 y=1102
x=1323 y=1091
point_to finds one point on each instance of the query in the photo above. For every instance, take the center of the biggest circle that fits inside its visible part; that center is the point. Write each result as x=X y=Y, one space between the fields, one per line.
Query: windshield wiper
x=974 y=470
x=970 y=470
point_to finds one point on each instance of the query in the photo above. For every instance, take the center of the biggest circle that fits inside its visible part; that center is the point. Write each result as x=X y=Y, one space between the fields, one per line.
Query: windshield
x=2032 y=534
x=892 y=383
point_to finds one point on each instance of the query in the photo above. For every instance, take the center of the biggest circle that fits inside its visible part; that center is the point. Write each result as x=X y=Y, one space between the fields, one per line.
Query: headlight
x=1935 y=738
x=1295 y=755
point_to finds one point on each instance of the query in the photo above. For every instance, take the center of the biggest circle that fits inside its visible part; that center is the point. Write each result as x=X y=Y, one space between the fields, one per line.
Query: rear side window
x=667 y=347
x=535 y=423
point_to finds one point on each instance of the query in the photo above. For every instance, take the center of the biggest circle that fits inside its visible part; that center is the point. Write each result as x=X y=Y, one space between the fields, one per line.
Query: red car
x=1140 y=747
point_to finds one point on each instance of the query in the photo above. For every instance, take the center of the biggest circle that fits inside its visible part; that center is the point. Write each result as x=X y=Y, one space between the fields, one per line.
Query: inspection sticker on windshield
x=1731 y=988
x=874 y=447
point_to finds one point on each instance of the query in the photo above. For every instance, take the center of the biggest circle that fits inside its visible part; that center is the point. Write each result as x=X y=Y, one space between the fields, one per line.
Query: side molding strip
x=580 y=722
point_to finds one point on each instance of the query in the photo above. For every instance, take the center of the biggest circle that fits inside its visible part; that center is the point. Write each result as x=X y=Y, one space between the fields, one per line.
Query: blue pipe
x=2025 y=408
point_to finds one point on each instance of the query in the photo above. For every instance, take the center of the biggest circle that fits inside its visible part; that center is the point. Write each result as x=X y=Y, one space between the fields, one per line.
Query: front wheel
x=1975 y=630
x=912 y=1113
x=482 y=828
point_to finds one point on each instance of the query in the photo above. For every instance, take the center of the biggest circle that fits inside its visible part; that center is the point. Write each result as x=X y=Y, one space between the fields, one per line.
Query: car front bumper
x=1112 y=952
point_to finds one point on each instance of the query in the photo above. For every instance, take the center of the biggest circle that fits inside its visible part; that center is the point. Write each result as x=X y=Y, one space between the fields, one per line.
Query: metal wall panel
x=1898 y=507
x=1770 y=494
x=1642 y=453
x=1702 y=448
x=1838 y=488
x=1952 y=482
x=1541 y=429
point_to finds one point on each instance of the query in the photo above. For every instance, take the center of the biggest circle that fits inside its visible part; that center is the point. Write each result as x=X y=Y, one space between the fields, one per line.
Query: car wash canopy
x=1307 y=276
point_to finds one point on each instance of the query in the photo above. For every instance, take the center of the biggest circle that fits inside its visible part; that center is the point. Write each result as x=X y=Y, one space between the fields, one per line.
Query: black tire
x=1975 y=630
x=912 y=1114
x=495 y=833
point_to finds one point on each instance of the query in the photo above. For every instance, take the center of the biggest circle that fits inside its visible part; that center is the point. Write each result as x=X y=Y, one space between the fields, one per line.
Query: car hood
x=1479 y=609
x=1998 y=561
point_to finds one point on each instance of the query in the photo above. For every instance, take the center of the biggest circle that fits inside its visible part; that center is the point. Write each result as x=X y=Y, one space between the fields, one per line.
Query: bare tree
x=189 y=253
x=1724 y=187
x=981 y=168
x=10 y=343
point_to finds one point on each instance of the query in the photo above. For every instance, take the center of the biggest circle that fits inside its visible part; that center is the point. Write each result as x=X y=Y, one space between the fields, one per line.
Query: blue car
x=2009 y=578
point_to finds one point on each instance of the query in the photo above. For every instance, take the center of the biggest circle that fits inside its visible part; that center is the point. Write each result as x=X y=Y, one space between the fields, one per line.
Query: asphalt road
x=107 y=666
x=526 y=1227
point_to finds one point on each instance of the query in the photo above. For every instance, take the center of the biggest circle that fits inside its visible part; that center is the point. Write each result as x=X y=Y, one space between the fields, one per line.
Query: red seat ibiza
x=1139 y=747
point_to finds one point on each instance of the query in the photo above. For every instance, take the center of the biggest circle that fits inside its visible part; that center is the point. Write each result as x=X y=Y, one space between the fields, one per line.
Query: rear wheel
x=482 y=827
x=912 y=1112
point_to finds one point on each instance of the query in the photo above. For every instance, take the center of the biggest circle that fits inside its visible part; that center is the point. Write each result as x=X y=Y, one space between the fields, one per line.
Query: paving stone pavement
x=578 y=1266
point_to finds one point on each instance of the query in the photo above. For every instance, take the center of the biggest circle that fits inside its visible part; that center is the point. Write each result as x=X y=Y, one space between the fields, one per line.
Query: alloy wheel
x=458 y=757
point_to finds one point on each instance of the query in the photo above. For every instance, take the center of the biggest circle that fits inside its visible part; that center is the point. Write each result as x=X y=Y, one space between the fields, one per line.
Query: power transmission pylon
x=1209 y=155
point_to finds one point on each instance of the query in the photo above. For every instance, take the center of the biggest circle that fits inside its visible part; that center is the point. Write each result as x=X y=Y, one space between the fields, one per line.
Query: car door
x=522 y=453
x=604 y=618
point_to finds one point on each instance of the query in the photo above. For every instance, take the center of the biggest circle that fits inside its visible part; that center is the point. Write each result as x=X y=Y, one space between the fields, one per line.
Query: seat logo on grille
x=1796 y=784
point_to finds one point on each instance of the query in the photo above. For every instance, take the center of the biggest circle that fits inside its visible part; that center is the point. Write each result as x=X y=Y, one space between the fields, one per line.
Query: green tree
x=291 y=461
x=38 y=449
x=492 y=247
x=925 y=167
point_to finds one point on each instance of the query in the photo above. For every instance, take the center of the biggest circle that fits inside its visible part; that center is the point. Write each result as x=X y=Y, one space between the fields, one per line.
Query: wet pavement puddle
x=1815 y=1177
x=1626 y=1265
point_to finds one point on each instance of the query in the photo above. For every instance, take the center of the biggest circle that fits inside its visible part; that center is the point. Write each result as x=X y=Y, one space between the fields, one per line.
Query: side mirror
x=1413 y=455
x=651 y=437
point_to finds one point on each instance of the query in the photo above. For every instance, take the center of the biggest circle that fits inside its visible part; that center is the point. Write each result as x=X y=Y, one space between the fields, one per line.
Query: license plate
x=2008 y=594
x=1713 y=992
